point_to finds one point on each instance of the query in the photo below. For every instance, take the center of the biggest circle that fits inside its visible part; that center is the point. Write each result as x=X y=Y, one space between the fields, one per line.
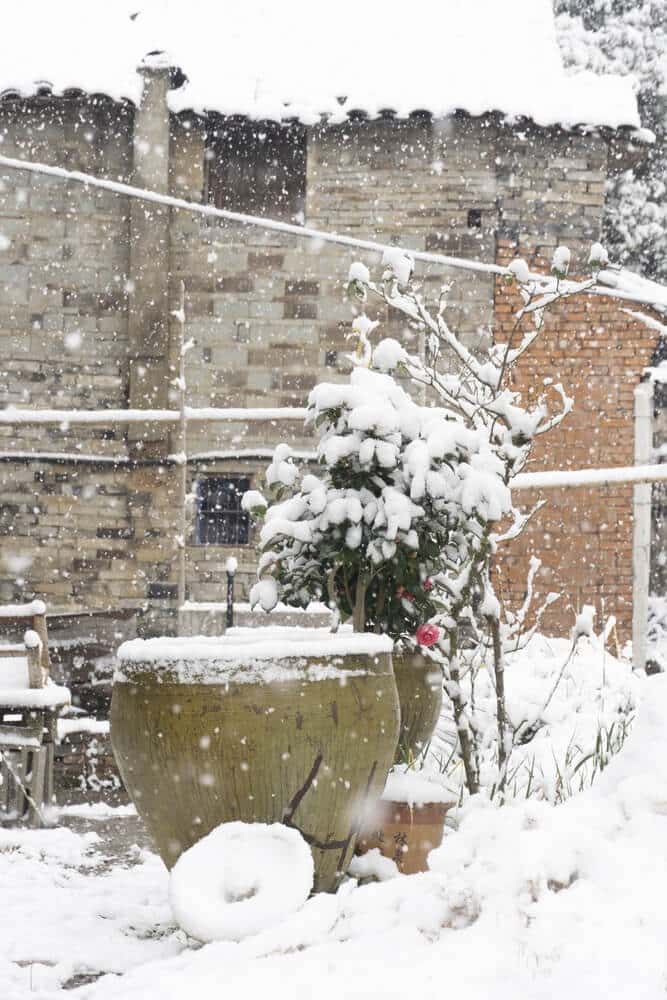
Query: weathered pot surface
x=261 y=725
x=419 y=685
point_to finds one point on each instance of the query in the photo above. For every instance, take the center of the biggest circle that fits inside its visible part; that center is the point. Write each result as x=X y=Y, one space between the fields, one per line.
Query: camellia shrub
x=398 y=530
x=367 y=534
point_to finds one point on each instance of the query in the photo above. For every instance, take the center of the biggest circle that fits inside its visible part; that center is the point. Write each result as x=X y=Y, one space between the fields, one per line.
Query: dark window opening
x=475 y=218
x=220 y=520
x=257 y=167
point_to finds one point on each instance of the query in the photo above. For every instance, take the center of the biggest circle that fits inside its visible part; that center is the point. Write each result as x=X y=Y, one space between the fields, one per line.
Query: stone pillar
x=149 y=372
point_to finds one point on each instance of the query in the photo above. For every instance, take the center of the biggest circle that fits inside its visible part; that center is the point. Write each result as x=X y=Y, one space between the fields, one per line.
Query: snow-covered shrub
x=401 y=527
x=400 y=484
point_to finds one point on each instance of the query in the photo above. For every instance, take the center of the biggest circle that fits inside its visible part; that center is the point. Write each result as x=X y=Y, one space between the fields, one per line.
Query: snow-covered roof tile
x=303 y=59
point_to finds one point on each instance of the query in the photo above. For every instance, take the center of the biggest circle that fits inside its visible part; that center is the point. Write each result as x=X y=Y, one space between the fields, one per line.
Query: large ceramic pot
x=419 y=684
x=261 y=725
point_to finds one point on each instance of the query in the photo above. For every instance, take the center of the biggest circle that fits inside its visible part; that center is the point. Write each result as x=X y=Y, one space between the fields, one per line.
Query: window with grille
x=256 y=167
x=220 y=520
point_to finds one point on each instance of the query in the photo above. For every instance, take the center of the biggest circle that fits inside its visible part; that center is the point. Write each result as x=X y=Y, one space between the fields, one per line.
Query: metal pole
x=230 y=568
x=182 y=455
x=641 y=541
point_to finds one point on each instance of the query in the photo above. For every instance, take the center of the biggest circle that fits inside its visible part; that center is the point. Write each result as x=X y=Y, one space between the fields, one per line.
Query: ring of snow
x=239 y=880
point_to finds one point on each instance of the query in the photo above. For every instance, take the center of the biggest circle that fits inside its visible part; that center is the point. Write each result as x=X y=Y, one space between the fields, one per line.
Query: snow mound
x=60 y=846
x=240 y=880
x=372 y=864
x=637 y=777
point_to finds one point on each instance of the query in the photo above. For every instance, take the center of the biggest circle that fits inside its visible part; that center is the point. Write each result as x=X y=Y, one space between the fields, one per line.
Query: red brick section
x=583 y=536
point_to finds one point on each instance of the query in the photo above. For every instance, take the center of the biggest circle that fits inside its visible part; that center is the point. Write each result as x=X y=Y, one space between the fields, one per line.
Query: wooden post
x=33 y=645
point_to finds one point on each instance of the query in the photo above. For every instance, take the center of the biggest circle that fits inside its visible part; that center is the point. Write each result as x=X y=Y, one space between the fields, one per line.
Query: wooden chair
x=29 y=707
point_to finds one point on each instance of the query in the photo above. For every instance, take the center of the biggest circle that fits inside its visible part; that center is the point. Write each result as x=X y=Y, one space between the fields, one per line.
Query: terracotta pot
x=211 y=730
x=419 y=684
x=406 y=834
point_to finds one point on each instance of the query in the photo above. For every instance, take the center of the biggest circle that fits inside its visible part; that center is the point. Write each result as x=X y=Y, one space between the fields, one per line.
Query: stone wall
x=268 y=315
x=90 y=537
x=63 y=308
x=63 y=529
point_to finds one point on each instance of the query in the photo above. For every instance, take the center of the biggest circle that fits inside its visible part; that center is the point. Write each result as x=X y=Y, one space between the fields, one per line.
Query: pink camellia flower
x=404 y=594
x=428 y=584
x=427 y=635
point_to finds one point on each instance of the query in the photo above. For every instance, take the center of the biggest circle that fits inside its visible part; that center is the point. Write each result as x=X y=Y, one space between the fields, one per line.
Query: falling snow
x=268 y=274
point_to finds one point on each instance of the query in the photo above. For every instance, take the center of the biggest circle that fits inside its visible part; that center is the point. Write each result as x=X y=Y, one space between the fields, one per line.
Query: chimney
x=148 y=321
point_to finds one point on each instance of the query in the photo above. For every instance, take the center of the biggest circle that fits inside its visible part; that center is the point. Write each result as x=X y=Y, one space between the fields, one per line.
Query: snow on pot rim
x=254 y=655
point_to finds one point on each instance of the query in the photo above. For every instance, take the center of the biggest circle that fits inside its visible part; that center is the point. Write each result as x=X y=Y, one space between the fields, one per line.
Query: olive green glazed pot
x=306 y=740
x=419 y=684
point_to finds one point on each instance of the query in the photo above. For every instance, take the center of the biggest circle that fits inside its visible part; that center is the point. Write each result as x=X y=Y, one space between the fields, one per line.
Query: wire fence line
x=638 y=290
x=14 y=416
x=274 y=225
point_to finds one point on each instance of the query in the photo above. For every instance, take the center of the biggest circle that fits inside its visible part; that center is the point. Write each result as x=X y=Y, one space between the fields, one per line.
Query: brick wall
x=583 y=536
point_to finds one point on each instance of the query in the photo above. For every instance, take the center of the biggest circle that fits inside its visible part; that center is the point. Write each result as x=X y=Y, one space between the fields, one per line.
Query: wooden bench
x=29 y=707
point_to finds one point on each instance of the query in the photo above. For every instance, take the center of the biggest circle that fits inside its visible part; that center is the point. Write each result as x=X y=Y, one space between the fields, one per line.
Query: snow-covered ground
x=575 y=711
x=530 y=899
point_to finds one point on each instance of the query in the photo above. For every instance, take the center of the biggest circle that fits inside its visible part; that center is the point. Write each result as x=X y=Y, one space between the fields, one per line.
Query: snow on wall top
x=296 y=59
